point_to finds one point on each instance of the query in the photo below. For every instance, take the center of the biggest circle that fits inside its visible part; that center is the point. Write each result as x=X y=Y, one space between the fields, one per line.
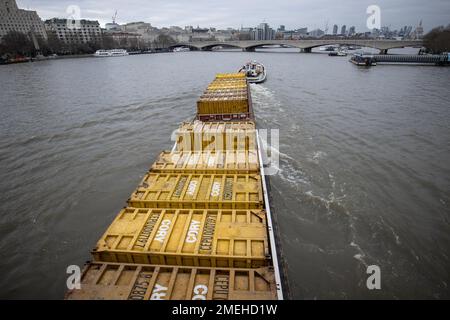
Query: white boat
x=338 y=53
x=111 y=53
x=327 y=48
x=181 y=49
x=255 y=72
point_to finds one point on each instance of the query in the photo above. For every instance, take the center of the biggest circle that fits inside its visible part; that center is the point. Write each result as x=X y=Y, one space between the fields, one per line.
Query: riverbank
x=72 y=56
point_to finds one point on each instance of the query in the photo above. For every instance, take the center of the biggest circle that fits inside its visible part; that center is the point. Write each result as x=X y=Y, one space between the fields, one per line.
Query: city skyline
x=220 y=14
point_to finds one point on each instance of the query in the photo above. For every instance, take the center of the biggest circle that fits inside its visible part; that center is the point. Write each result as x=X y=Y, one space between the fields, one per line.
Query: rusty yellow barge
x=199 y=225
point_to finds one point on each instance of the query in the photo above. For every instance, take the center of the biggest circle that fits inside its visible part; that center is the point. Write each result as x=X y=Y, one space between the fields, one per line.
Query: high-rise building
x=335 y=29
x=14 y=19
x=74 y=31
x=351 y=31
x=263 y=32
x=282 y=28
x=317 y=33
x=343 y=29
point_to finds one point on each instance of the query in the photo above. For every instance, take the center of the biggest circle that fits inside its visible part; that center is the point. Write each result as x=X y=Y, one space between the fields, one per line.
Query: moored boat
x=339 y=53
x=363 y=59
x=327 y=48
x=111 y=53
x=181 y=49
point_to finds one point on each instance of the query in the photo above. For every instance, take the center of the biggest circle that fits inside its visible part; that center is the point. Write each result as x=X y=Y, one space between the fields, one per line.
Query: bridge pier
x=383 y=51
x=248 y=49
x=305 y=50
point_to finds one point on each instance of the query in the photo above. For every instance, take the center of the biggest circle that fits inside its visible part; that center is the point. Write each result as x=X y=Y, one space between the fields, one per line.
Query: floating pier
x=368 y=59
x=441 y=59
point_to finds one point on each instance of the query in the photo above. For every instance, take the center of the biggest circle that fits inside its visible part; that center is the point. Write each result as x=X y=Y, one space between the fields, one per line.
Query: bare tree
x=16 y=43
x=438 y=40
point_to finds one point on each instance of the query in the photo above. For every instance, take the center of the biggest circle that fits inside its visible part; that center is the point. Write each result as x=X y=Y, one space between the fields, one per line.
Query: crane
x=114 y=17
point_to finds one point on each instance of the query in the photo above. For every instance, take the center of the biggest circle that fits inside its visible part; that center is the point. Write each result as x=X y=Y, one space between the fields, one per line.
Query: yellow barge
x=199 y=225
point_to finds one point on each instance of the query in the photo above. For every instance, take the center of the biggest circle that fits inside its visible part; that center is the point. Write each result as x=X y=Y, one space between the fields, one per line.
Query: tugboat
x=254 y=71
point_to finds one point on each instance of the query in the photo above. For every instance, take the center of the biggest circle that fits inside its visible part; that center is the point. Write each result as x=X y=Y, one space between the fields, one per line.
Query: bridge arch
x=209 y=46
x=184 y=44
x=303 y=44
x=271 y=43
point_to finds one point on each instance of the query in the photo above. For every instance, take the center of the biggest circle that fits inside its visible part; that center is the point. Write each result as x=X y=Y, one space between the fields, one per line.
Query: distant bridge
x=305 y=45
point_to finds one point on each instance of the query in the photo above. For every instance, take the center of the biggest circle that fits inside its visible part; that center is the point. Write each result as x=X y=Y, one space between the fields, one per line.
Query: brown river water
x=364 y=172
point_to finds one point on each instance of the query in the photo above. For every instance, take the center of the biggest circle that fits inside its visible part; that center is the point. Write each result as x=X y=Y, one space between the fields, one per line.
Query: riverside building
x=14 y=19
x=75 y=31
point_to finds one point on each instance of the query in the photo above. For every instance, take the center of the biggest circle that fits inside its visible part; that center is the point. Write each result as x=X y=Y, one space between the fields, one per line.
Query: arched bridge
x=305 y=45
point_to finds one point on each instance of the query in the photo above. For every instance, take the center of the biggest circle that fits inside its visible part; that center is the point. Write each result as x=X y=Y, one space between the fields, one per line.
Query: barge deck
x=199 y=225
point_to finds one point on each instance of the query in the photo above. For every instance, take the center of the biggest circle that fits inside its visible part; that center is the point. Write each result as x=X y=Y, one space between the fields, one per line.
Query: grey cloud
x=234 y=13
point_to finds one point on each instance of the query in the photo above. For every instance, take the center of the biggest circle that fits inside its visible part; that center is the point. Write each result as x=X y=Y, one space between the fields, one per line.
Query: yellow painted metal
x=229 y=80
x=228 y=83
x=207 y=238
x=215 y=136
x=226 y=86
x=207 y=162
x=117 y=281
x=198 y=191
x=232 y=91
x=224 y=95
x=239 y=75
x=222 y=105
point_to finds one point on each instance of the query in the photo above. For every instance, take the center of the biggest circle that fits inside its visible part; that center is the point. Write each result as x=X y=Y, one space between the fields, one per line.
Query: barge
x=363 y=59
x=199 y=225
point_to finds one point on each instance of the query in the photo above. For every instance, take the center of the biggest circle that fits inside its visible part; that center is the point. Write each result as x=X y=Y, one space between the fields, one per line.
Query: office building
x=14 y=19
x=74 y=31
x=335 y=29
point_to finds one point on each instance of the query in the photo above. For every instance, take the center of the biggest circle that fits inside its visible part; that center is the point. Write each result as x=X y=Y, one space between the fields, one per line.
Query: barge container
x=222 y=105
x=199 y=225
x=215 y=136
x=226 y=86
x=117 y=281
x=238 y=91
x=238 y=75
x=224 y=117
x=219 y=162
x=198 y=191
x=206 y=238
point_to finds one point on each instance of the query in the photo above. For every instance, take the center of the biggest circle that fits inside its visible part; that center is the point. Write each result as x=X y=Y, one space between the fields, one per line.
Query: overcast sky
x=234 y=13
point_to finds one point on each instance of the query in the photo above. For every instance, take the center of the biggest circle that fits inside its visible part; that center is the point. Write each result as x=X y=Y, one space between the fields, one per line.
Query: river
x=364 y=164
